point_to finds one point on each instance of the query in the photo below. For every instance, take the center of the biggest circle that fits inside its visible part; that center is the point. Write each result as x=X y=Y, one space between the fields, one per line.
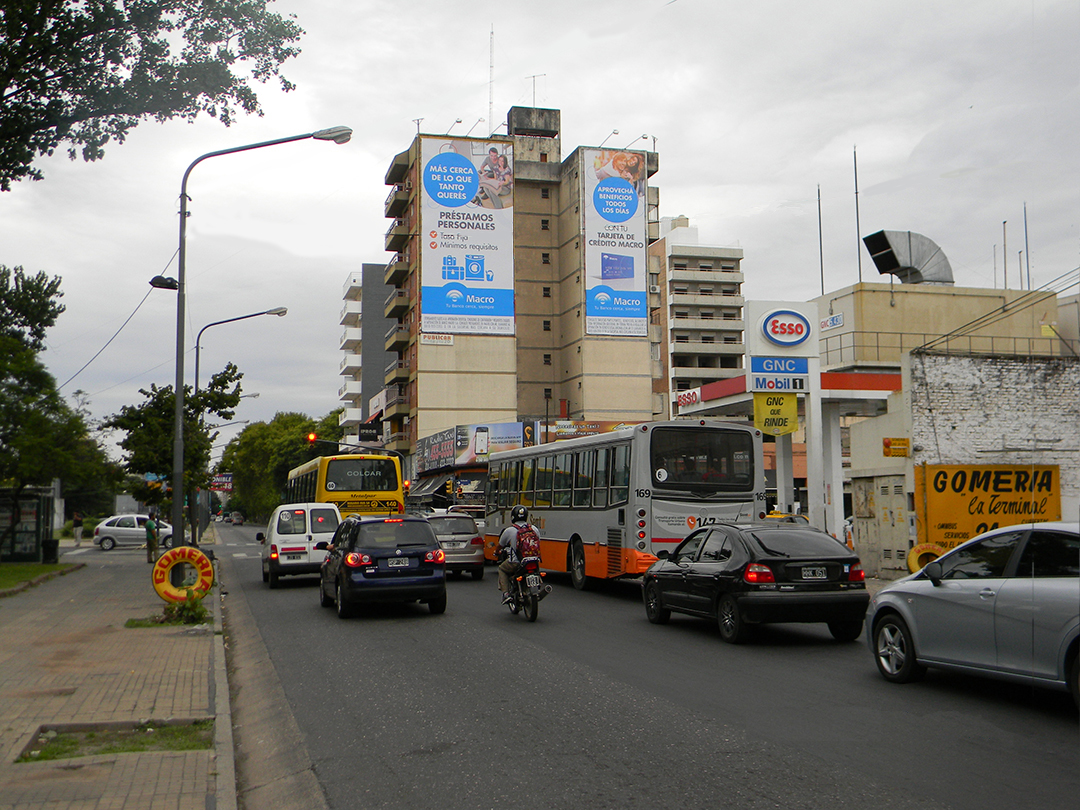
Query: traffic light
x=405 y=486
x=312 y=437
x=449 y=485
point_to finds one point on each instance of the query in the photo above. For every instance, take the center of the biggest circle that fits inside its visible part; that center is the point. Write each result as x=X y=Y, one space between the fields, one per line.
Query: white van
x=288 y=547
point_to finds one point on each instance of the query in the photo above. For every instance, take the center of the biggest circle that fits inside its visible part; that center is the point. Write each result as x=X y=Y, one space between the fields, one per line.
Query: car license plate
x=814 y=573
x=532 y=580
x=453 y=545
x=398 y=562
x=294 y=556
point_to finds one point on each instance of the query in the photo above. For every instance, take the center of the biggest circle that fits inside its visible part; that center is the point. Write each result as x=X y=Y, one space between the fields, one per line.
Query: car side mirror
x=663 y=554
x=934 y=572
x=260 y=537
x=322 y=545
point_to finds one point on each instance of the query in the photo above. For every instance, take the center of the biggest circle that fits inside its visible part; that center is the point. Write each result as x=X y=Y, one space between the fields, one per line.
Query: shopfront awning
x=428 y=486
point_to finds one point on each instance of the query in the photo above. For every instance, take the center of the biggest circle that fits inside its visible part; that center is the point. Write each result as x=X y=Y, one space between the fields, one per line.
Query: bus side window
x=544 y=474
x=583 y=481
x=528 y=482
x=620 y=474
x=600 y=479
x=494 y=471
x=564 y=479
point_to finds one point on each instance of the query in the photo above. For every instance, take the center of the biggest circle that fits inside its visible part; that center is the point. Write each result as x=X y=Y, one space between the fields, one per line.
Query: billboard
x=614 y=185
x=467 y=236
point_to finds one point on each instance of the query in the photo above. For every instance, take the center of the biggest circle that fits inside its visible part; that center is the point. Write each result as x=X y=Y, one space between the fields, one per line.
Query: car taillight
x=355 y=560
x=476 y=541
x=532 y=565
x=856 y=573
x=273 y=552
x=757 y=574
x=437 y=556
x=401 y=508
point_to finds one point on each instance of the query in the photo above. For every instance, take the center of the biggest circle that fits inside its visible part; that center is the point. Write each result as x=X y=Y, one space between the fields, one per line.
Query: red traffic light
x=312 y=438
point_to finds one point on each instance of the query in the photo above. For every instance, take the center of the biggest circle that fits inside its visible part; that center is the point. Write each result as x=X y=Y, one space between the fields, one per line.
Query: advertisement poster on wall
x=615 y=239
x=476 y=442
x=467 y=230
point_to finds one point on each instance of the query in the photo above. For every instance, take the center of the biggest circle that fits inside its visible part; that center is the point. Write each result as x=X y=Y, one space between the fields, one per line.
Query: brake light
x=856 y=573
x=393 y=520
x=355 y=560
x=757 y=574
x=477 y=541
x=273 y=552
x=532 y=565
x=438 y=556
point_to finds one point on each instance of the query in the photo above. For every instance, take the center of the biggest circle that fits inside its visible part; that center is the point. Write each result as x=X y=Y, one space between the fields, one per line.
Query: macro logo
x=785 y=327
x=603 y=298
x=454 y=295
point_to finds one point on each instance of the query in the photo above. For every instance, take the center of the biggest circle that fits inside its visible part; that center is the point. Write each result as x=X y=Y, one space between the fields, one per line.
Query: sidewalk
x=66 y=658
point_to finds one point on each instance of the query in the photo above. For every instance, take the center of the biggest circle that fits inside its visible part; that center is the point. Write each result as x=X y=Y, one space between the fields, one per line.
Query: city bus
x=359 y=484
x=605 y=505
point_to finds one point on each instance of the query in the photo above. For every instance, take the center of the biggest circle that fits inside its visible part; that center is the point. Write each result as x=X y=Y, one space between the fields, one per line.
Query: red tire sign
x=785 y=328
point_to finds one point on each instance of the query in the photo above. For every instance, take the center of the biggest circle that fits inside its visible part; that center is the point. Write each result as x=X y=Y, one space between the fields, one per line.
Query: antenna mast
x=858 y=230
x=491 y=82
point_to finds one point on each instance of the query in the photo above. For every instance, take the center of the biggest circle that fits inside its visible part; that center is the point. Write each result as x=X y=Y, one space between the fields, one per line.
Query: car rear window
x=291 y=521
x=391 y=533
x=323 y=520
x=794 y=543
x=453 y=525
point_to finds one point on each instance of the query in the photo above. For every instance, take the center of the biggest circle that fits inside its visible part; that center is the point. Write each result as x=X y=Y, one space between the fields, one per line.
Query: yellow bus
x=359 y=484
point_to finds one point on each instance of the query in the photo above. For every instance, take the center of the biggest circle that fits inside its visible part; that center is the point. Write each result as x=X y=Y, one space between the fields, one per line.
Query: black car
x=742 y=575
x=382 y=559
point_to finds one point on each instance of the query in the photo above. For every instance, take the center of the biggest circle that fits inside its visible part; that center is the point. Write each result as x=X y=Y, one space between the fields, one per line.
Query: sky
x=959 y=114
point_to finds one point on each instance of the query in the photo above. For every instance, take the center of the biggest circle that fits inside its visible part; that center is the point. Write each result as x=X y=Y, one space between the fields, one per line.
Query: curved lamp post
x=337 y=135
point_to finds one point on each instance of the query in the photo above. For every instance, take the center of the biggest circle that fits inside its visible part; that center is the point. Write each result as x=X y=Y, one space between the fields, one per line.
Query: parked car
x=129 y=530
x=747 y=574
x=288 y=546
x=461 y=540
x=383 y=559
x=237 y=519
x=1005 y=604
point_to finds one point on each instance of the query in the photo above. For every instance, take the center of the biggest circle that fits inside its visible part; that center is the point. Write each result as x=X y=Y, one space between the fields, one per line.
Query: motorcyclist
x=509 y=553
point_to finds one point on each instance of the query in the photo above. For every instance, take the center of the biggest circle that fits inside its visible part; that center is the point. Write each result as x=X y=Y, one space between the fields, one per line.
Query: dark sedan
x=742 y=575
x=383 y=560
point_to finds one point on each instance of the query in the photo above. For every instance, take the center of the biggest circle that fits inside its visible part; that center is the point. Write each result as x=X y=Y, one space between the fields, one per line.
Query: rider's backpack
x=528 y=542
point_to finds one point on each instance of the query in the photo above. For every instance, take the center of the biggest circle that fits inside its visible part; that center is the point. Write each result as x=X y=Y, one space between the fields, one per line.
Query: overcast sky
x=960 y=114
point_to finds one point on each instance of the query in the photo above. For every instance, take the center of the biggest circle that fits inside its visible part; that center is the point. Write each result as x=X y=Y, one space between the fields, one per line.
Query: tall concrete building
x=363 y=339
x=520 y=288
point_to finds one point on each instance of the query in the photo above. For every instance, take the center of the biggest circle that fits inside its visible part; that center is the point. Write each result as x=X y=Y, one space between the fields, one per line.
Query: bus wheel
x=577 y=565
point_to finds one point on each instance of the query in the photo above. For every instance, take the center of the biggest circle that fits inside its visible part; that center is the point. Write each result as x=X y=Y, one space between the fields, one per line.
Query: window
x=600 y=478
x=708 y=339
x=291 y=521
x=547 y=359
x=1050 y=554
x=620 y=474
x=563 y=478
x=717 y=548
x=547 y=292
x=984 y=560
x=545 y=258
x=705 y=291
x=547 y=326
x=543 y=159
x=583 y=482
x=545 y=224
x=706 y=315
x=682 y=338
x=545 y=193
x=547 y=393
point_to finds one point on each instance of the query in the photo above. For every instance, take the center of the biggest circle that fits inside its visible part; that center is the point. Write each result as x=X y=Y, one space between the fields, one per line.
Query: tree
x=85 y=72
x=150 y=427
x=29 y=305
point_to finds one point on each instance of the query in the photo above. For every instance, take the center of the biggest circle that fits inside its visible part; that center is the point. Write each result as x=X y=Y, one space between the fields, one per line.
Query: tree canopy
x=29 y=305
x=85 y=72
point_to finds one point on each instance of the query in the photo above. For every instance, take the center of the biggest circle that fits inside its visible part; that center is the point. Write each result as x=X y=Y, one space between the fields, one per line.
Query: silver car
x=461 y=541
x=1005 y=604
x=129 y=530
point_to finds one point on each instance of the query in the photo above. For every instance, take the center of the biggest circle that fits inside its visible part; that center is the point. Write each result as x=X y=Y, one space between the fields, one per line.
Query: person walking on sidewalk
x=76 y=527
x=151 y=538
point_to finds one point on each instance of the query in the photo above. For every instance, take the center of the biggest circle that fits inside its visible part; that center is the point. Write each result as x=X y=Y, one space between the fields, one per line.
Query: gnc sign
x=784 y=327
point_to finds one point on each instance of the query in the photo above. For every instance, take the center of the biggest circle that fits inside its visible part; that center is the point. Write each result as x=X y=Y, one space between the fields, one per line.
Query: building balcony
x=352 y=313
x=397 y=372
x=350 y=391
x=706 y=276
x=398 y=199
x=704 y=375
x=350 y=417
x=399 y=167
x=397 y=338
x=397 y=235
x=398 y=442
x=714 y=349
x=396 y=304
x=698 y=299
x=396 y=270
x=351 y=339
x=397 y=404
x=350 y=364
x=708 y=324
x=353 y=288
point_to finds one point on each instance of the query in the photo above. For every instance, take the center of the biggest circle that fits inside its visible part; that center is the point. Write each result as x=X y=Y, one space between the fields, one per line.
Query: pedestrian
x=76 y=527
x=151 y=538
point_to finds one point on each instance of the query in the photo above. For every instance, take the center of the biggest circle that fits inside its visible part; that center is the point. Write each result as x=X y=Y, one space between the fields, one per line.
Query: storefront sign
x=776 y=414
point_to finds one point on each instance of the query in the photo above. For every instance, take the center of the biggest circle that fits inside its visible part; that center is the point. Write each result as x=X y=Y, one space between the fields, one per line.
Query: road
x=592 y=706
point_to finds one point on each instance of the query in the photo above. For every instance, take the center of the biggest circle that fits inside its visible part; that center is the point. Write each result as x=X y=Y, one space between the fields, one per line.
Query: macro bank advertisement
x=615 y=240
x=467 y=229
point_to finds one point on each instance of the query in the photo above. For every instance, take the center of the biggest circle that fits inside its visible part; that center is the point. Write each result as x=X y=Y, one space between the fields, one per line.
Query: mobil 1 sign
x=776 y=382
x=778 y=373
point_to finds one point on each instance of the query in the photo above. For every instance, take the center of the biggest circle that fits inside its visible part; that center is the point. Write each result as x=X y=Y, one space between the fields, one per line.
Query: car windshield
x=361 y=475
x=794 y=543
x=392 y=533
x=453 y=524
x=701 y=460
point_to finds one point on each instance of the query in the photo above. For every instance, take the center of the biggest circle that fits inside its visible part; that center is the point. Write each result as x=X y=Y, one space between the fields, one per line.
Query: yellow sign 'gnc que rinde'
x=776 y=414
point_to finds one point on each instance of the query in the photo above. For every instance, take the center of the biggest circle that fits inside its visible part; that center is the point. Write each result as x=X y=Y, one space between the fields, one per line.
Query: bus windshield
x=361 y=475
x=701 y=461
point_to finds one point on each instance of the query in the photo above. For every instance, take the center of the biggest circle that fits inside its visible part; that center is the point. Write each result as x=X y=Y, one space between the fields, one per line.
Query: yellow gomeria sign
x=776 y=414
x=955 y=502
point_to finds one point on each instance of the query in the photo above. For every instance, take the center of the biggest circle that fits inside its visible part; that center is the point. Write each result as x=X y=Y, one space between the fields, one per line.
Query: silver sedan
x=1005 y=604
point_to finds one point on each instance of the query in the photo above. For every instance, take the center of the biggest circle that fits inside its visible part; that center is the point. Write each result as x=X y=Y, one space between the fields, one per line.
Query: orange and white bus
x=358 y=484
x=606 y=504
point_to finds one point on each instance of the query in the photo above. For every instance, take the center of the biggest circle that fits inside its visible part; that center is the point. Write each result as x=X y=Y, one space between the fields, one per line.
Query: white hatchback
x=288 y=546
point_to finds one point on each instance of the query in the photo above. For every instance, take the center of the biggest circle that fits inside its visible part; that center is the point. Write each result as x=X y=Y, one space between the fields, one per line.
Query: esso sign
x=785 y=327
x=690 y=397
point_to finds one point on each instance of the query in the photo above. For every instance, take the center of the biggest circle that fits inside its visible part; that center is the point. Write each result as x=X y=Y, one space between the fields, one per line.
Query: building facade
x=363 y=339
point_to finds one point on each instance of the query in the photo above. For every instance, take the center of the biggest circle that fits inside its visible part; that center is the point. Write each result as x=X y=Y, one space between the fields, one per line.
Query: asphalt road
x=592 y=706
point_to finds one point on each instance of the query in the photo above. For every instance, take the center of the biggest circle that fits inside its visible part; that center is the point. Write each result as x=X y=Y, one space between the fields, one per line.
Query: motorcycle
x=527 y=588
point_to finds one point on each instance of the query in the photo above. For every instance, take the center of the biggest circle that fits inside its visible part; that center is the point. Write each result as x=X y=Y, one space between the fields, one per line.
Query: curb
x=33 y=583
x=221 y=707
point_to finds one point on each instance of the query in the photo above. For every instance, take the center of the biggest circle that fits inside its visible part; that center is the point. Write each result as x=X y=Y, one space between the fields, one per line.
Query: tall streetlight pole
x=335 y=134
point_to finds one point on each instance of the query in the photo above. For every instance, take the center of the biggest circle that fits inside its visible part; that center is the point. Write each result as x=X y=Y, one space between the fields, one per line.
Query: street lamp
x=338 y=135
x=613 y=132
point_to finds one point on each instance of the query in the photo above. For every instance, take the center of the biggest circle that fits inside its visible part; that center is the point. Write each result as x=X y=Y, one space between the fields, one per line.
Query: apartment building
x=363 y=340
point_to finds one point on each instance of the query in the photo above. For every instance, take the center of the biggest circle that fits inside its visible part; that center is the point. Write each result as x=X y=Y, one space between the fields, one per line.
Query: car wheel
x=107 y=544
x=1074 y=680
x=324 y=599
x=273 y=579
x=848 y=630
x=266 y=572
x=894 y=650
x=577 y=565
x=478 y=573
x=344 y=611
x=167 y=542
x=733 y=629
x=653 y=610
x=438 y=605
